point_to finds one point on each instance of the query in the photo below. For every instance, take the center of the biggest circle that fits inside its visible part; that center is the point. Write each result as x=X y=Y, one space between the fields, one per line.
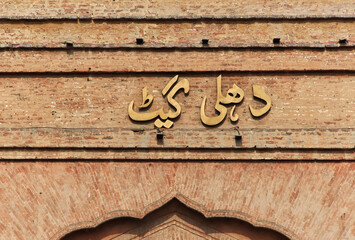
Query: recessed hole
x=276 y=41
x=160 y=136
x=139 y=41
x=205 y=42
x=69 y=44
x=343 y=41
x=238 y=137
x=141 y=131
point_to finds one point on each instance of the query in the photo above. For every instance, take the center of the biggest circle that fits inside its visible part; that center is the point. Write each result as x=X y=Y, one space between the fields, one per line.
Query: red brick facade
x=73 y=162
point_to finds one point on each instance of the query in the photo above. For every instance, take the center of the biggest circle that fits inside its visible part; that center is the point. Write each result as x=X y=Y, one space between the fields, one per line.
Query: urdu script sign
x=234 y=96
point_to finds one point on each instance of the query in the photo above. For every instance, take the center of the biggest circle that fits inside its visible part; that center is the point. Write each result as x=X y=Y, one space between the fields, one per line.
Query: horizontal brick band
x=176 y=34
x=179 y=139
x=298 y=101
x=308 y=112
x=175 y=61
x=85 y=194
x=73 y=9
x=169 y=154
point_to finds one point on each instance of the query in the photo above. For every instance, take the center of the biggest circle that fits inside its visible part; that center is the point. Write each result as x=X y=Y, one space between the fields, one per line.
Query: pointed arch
x=139 y=215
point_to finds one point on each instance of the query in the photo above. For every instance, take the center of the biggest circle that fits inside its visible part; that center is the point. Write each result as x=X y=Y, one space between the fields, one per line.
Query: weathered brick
x=176 y=61
x=29 y=9
x=297 y=199
x=308 y=112
x=62 y=105
x=183 y=34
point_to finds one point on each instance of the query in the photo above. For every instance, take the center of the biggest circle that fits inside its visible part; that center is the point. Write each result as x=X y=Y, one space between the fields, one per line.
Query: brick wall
x=71 y=158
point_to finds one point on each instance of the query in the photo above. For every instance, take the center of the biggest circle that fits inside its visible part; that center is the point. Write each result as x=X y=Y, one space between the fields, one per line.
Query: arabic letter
x=220 y=97
x=234 y=116
x=183 y=84
x=143 y=116
x=259 y=92
x=170 y=84
x=147 y=99
x=167 y=124
x=213 y=121
x=235 y=94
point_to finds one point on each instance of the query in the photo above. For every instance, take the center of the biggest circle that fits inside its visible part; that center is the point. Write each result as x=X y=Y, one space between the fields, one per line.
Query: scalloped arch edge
x=184 y=200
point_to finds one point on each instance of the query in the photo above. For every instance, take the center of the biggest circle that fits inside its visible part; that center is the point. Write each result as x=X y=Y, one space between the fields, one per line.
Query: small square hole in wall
x=343 y=41
x=160 y=135
x=139 y=41
x=160 y=138
x=276 y=41
x=238 y=137
x=69 y=44
x=205 y=42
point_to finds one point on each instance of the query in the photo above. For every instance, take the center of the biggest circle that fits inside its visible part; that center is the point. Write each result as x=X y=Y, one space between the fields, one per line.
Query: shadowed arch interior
x=174 y=220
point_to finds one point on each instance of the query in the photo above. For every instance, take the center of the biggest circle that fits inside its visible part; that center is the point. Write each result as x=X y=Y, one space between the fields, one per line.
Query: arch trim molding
x=186 y=201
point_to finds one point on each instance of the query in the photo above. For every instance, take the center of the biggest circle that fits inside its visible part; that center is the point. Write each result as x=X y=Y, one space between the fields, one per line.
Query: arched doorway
x=175 y=220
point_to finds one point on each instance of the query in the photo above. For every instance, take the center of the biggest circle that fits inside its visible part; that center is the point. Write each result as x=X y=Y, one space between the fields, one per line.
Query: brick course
x=162 y=9
x=296 y=199
x=178 y=33
x=71 y=158
x=146 y=60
